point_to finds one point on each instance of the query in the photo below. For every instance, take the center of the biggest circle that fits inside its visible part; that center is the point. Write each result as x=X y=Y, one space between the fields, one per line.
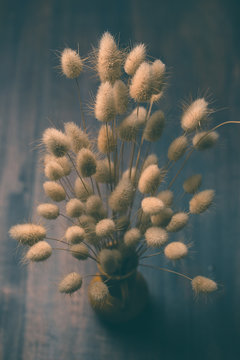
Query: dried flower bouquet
x=118 y=213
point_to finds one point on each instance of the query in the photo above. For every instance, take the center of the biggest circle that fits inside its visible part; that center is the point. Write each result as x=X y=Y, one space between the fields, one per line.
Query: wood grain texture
x=199 y=41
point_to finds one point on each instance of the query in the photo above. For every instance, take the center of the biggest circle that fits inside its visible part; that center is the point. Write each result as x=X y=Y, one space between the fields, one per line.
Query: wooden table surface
x=199 y=42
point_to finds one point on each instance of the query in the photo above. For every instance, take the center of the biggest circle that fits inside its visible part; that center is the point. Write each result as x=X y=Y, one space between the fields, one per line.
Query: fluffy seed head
x=178 y=221
x=56 y=142
x=98 y=293
x=132 y=237
x=48 y=211
x=143 y=221
x=39 y=251
x=134 y=175
x=122 y=195
x=141 y=87
x=201 y=284
x=27 y=234
x=162 y=218
x=201 y=201
x=134 y=59
x=194 y=115
x=155 y=126
x=79 y=251
x=129 y=127
x=204 y=140
x=82 y=189
x=109 y=59
x=110 y=260
x=192 y=184
x=175 y=250
x=105 y=227
x=54 y=190
x=53 y=170
x=177 y=148
x=150 y=160
x=103 y=174
x=71 y=63
x=105 y=104
x=86 y=162
x=152 y=205
x=77 y=138
x=106 y=140
x=70 y=283
x=150 y=179
x=62 y=161
x=74 y=208
x=120 y=94
x=74 y=234
x=158 y=74
x=166 y=196
x=156 y=237
x=94 y=205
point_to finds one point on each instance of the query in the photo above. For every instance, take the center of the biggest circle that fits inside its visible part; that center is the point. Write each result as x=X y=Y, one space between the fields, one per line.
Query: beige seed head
x=158 y=74
x=74 y=234
x=205 y=140
x=143 y=221
x=150 y=179
x=106 y=140
x=152 y=205
x=132 y=237
x=201 y=284
x=177 y=148
x=162 y=218
x=77 y=138
x=178 y=221
x=94 y=205
x=82 y=189
x=201 y=201
x=155 y=126
x=62 y=161
x=79 y=251
x=105 y=104
x=132 y=124
x=86 y=162
x=192 y=184
x=103 y=174
x=27 y=234
x=98 y=293
x=105 y=227
x=70 y=283
x=109 y=59
x=120 y=94
x=48 y=211
x=110 y=260
x=141 y=88
x=56 y=142
x=53 y=170
x=134 y=175
x=175 y=250
x=71 y=63
x=166 y=196
x=156 y=236
x=194 y=115
x=74 y=208
x=122 y=195
x=54 y=190
x=39 y=252
x=134 y=59
x=150 y=160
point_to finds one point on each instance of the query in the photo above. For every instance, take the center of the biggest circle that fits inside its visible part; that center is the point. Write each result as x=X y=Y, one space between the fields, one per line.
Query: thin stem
x=81 y=107
x=75 y=252
x=131 y=158
x=78 y=173
x=92 y=183
x=150 y=255
x=66 y=217
x=167 y=270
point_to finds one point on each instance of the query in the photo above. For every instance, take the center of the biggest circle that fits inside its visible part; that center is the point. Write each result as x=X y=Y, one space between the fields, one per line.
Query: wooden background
x=199 y=42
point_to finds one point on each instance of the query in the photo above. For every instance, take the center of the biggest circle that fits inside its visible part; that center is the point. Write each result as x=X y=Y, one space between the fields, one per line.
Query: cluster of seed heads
x=113 y=191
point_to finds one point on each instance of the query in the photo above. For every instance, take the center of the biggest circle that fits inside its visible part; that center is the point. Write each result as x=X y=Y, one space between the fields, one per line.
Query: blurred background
x=199 y=43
